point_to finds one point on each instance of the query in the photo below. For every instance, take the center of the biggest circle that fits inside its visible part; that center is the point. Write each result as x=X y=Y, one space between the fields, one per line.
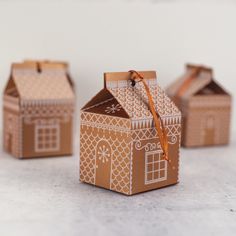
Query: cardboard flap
x=24 y=66
x=110 y=78
x=207 y=71
x=40 y=66
x=53 y=66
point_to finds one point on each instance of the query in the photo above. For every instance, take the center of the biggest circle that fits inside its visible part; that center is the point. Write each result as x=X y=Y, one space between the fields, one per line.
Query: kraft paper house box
x=119 y=146
x=38 y=109
x=205 y=106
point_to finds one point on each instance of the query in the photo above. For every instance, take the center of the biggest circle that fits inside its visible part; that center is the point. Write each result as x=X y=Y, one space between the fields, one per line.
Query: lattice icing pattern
x=120 y=144
x=87 y=156
x=135 y=101
x=49 y=110
x=40 y=86
x=103 y=121
x=149 y=133
x=12 y=126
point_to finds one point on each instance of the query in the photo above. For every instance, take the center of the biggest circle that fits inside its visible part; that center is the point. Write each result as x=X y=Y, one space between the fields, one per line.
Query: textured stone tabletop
x=45 y=197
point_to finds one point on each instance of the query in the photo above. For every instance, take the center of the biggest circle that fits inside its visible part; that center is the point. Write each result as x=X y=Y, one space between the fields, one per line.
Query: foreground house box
x=38 y=110
x=205 y=106
x=119 y=146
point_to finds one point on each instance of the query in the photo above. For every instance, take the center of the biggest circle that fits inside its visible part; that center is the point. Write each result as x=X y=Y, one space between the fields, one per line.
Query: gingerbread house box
x=205 y=106
x=38 y=108
x=119 y=146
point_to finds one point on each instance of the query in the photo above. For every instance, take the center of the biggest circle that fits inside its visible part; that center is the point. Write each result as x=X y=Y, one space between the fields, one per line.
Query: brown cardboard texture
x=38 y=107
x=119 y=146
x=205 y=107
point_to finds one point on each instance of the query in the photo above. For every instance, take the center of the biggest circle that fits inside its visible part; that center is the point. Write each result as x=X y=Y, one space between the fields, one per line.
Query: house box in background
x=38 y=109
x=119 y=146
x=205 y=106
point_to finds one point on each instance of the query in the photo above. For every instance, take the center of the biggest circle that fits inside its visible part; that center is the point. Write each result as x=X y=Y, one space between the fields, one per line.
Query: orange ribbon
x=157 y=119
x=188 y=82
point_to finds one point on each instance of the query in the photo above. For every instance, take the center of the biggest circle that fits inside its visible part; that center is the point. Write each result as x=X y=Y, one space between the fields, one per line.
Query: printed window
x=155 y=167
x=47 y=137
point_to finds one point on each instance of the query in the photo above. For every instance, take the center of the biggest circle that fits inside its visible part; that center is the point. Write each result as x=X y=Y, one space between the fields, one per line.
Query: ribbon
x=185 y=85
x=136 y=78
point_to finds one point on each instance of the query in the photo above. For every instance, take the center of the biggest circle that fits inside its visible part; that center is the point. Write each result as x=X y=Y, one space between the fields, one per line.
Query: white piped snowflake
x=103 y=153
x=113 y=108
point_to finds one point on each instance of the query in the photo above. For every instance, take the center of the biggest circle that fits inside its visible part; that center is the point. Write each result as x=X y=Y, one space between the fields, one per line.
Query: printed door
x=103 y=164
x=209 y=137
x=9 y=143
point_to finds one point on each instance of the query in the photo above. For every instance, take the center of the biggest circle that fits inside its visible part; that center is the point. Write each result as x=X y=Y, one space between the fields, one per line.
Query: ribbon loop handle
x=159 y=125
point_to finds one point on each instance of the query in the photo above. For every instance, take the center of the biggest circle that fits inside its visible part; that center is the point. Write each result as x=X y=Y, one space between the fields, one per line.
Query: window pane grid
x=47 y=137
x=155 y=167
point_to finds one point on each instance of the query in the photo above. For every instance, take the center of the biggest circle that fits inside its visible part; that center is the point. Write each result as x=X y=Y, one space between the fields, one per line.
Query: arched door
x=209 y=129
x=103 y=164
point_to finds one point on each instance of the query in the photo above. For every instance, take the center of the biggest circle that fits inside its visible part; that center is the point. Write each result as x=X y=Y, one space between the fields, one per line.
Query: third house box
x=205 y=107
x=38 y=110
x=120 y=147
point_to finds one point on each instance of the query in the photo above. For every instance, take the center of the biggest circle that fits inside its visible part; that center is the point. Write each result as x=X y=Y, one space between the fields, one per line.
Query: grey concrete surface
x=45 y=197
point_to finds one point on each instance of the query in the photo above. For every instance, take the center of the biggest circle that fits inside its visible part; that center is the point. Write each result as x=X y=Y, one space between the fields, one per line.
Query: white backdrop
x=97 y=36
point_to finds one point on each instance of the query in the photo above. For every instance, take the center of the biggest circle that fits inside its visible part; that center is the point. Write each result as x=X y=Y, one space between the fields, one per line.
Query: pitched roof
x=134 y=100
x=197 y=80
x=42 y=81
